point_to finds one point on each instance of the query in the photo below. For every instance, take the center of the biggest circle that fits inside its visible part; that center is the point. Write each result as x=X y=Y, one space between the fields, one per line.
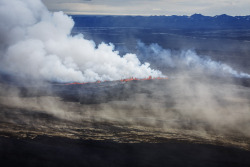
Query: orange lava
x=122 y=80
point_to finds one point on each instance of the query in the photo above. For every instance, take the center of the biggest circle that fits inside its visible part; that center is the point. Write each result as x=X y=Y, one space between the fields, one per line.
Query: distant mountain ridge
x=196 y=21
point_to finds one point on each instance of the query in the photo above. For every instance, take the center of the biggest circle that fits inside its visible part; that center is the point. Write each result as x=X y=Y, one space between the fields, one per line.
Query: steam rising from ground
x=36 y=43
x=185 y=103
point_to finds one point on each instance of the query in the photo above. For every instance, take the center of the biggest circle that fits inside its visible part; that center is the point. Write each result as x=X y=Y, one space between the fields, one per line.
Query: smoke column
x=36 y=43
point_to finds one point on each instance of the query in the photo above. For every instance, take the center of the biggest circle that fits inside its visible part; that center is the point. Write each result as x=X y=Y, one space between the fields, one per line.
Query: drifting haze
x=185 y=60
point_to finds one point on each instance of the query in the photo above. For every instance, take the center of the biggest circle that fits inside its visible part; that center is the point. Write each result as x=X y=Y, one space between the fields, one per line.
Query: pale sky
x=150 y=7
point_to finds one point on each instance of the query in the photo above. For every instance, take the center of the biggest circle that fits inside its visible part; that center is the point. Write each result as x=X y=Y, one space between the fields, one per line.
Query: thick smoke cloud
x=36 y=43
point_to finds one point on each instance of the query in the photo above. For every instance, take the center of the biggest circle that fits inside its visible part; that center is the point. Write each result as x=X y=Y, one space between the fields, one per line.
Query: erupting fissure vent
x=122 y=80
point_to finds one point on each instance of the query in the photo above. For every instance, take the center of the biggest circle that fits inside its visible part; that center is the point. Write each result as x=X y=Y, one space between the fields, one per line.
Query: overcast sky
x=150 y=7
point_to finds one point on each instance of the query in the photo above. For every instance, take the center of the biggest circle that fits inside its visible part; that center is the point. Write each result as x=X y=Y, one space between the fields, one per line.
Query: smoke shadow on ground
x=57 y=151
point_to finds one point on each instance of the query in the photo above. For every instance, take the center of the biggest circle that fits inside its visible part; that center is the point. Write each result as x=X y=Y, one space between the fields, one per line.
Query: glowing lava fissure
x=121 y=80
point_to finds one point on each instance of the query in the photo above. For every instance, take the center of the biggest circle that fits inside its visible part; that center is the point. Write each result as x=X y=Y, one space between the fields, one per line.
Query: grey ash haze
x=199 y=116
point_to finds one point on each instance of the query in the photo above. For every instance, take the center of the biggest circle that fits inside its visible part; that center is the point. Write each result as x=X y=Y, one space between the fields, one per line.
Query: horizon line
x=144 y=15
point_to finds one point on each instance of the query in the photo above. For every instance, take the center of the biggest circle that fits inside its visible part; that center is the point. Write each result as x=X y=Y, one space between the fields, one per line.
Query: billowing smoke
x=185 y=60
x=36 y=43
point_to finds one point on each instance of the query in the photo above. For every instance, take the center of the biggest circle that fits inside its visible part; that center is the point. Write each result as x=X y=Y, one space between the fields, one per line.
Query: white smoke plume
x=36 y=43
x=186 y=60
